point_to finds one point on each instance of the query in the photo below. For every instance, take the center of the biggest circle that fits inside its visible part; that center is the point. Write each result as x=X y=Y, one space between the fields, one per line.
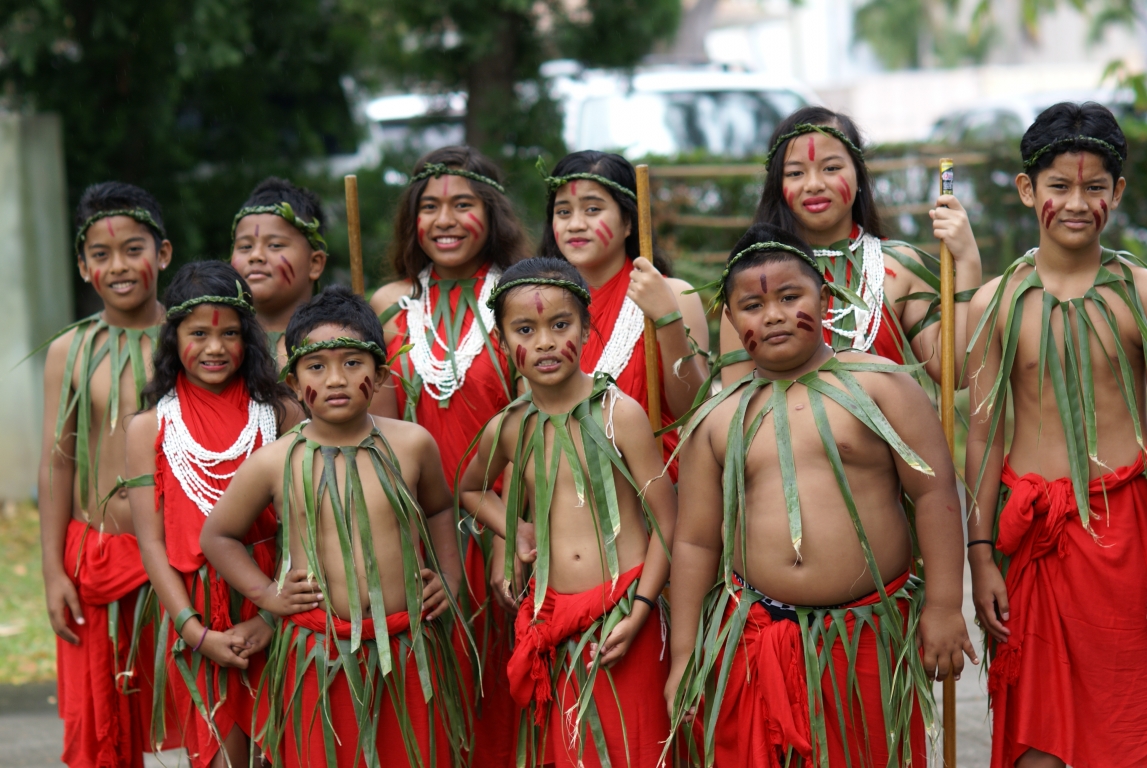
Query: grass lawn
x=27 y=644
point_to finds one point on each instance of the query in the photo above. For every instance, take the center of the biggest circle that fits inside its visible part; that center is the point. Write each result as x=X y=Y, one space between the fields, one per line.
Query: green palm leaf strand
x=904 y=683
x=370 y=668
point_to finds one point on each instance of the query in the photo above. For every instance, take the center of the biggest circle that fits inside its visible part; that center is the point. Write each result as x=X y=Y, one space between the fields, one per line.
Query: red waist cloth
x=631 y=710
x=310 y=752
x=1070 y=679
x=604 y=311
x=103 y=727
x=766 y=706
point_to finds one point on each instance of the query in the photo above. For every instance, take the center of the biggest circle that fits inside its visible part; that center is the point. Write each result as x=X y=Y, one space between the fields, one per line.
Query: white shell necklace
x=866 y=321
x=442 y=378
x=627 y=329
x=191 y=463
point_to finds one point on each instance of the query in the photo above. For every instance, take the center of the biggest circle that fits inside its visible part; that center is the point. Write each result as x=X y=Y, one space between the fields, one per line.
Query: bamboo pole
x=948 y=419
x=354 y=233
x=652 y=363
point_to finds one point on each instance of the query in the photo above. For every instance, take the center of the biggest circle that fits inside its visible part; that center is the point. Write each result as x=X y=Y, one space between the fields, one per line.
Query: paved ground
x=31 y=733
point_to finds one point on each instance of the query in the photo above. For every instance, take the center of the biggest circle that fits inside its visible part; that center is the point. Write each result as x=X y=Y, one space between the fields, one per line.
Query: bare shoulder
x=404 y=435
x=905 y=250
x=142 y=427
x=388 y=294
x=625 y=412
x=678 y=285
x=881 y=384
x=984 y=294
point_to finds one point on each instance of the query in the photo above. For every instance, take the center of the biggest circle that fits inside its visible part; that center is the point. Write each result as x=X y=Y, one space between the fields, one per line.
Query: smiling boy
x=95 y=372
x=1058 y=536
x=838 y=436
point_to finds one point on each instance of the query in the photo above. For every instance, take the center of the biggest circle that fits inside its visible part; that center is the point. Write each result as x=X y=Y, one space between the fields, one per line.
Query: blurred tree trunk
x=490 y=83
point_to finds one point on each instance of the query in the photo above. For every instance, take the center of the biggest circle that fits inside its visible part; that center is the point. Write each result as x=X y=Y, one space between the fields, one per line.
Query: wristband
x=201 y=639
x=268 y=617
x=182 y=617
x=989 y=542
x=641 y=598
x=665 y=320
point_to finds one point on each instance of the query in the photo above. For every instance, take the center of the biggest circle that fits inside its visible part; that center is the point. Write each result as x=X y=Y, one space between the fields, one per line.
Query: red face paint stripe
x=573 y=350
x=804 y=316
x=764 y=284
x=811 y=149
x=469 y=229
x=520 y=357
x=283 y=272
x=845 y=191
x=566 y=354
x=790 y=195
x=478 y=223
x=96 y=277
x=188 y=360
x=608 y=231
x=311 y=395
x=538 y=303
x=421 y=234
x=147 y=276
x=288 y=265
x=110 y=230
x=236 y=359
x=803 y=325
x=573 y=187
x=748 y=337
x=603 y=237
x=256 y=230
x=752 y=345
x=214 y=317
x=1103 y=205
x=362 y=387
x=1098 y=219
x=1047 y=214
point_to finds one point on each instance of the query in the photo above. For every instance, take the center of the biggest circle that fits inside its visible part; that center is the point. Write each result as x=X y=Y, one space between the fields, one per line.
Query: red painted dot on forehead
x=764 y=283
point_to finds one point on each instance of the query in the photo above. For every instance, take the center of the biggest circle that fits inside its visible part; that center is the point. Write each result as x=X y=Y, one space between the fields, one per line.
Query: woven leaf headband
x=438 y=169
x=139 y=214
x=310 y=229
x=1031 y=161
x=569 y=285
x=239 y=302
x=342 y=342
x=803 y=128
x=554 y=183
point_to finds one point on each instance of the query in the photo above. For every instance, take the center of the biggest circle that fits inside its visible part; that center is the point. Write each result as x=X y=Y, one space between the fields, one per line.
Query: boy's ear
x=82 y=266
x=1117 y=193
x=381 y=374
x=292 y=381
x=1025 y=185
x=499 y=340
x=318 y=264
x=825 y=299
x=163 y=257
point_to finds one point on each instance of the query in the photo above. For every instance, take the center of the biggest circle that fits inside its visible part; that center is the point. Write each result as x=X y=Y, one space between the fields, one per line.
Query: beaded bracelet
x=182 y=617
x=201 y=639
x=641 y=598
x=665 y=320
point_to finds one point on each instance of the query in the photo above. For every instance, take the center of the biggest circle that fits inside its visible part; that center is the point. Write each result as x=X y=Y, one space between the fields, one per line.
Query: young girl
x=213 y=400
x=580 y=450
x=593 y=211
x=818 y=188
x=455 y=232
x=278 y=248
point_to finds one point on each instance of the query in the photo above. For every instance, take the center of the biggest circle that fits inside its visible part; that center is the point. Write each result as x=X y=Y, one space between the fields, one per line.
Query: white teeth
x=447 y=240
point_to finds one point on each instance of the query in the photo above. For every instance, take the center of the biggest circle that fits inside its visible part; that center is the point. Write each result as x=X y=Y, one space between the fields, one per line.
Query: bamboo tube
x=652 y=364
x=354 y=233
x=948 y=419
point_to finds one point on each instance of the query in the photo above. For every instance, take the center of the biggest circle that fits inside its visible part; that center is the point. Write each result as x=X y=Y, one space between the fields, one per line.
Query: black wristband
x=652 y=605
x=989 y=542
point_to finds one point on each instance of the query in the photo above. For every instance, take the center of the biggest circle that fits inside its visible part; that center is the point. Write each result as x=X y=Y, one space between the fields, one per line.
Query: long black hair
x=619 y=170
x=774 y=210
x=215 y=278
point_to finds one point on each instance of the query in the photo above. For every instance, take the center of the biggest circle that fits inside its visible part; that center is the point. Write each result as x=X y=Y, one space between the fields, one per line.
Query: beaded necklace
x=854 y=322
x=627 y=329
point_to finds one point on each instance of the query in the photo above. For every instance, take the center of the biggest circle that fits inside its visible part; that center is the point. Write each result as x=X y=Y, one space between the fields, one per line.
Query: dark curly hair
x=766 y=233
x=506 y=241
x=303 y=202
x=336 y=305
x=617 y=169
x=546 y=268
x=1057 y=124
x=116 y=195
x=215 y=278
x=772 y=209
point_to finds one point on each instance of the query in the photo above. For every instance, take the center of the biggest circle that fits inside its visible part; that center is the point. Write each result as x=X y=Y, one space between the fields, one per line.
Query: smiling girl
x=818 y=187
x=213 y=400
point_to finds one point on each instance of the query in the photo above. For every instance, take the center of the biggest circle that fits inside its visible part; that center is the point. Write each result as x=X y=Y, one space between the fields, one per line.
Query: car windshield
x=733 y=124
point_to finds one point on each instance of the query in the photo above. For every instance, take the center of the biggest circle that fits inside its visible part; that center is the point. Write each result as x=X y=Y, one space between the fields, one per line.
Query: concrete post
x=35 y=285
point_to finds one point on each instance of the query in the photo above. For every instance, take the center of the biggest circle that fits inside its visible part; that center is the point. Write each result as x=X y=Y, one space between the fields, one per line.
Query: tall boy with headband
x=1058 y=536
x=93 y=574
x=835 y=666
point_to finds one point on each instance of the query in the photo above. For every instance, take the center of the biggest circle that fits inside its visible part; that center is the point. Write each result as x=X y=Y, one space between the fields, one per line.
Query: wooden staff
x=354 y=234
x=652 y=367
x=948 y=419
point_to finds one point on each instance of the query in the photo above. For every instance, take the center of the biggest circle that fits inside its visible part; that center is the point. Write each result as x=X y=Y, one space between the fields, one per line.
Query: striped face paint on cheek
x=748 y=340
x=147 y=276
x=804 y=326
x=366 y=388
x=605 y=239
x=845 y=190
x=1047 y=214
x=236 y=358
x=790 y=196
x=96 y=278
x=188 y=358
x=520 y=356
x=287 y=270
x=477 y=222
x=570 y=351
x=801 y=322
x=310 y=396
x=1103 y=205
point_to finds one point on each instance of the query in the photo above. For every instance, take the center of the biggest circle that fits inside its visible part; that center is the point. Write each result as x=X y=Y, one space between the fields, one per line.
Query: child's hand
x=217 y=646
x=650 y=291
x=618 y=641
x=990 y=596
x=297 y=595
x=950 y=224
x=434 y=602
x=505 y=596
x=944 y=638
x=676 y=672
x=250 y=637
x=63 y=602
x=527 y=542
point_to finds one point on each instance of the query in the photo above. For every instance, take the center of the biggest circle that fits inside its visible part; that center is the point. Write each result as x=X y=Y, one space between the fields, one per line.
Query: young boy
x=794 y=490
x=362 y=580
x=93 y=377
x=1057 y=541
x=580 y=450
x=278 y=248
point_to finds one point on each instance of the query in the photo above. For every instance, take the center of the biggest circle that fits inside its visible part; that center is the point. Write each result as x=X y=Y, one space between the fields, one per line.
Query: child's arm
x=988 y=591
x=148 y=521
x=221 y=540
x=56 y=479
x=639 y=449
x=434 y=494
x=943 y=633
x=696 y=549
x=476 y=486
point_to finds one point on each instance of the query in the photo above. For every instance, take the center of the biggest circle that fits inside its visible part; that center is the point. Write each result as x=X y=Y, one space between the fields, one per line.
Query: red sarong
x=604 y=310
x=1070 y=681
x=453 y=427
x=637 y=717
x=311 y=753
x=215 y=422
x=765 y=710
x=104 y=728
x=889 y=343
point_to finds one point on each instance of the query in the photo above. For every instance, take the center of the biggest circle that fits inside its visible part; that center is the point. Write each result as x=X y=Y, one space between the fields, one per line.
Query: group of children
x=437 y=529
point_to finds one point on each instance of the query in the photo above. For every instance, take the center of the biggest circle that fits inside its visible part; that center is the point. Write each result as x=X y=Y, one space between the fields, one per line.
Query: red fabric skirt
x=103 y=727
x=636 y=716
x=311 y=752
x=765 y=710
x=1070 y=681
